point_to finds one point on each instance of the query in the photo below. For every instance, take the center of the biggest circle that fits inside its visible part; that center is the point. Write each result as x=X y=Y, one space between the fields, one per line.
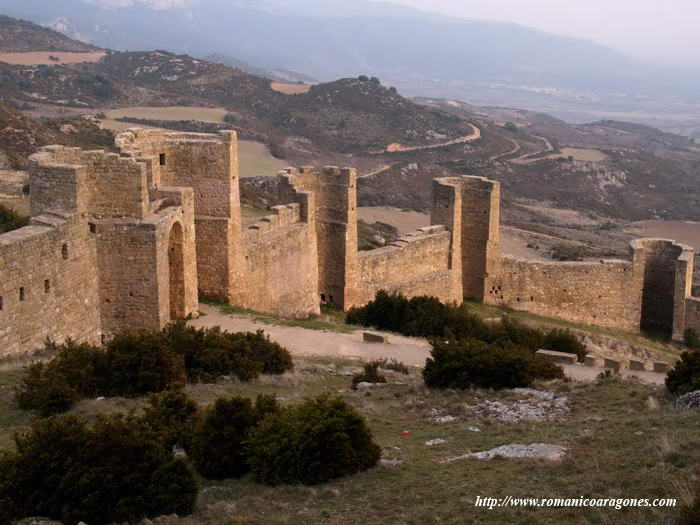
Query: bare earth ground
x=686 y=232
x=290 y=89
x=42 y=58
x=316 y=343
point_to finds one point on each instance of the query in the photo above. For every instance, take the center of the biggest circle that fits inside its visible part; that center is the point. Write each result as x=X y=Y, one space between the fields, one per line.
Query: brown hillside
x=19 y=36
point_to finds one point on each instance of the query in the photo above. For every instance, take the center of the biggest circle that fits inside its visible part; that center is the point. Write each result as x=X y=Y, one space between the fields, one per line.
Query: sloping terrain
x=19 y=36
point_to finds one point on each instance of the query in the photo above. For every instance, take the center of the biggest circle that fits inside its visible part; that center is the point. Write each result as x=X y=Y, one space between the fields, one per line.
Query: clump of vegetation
x=510 y=126
x=569 y=252
x=174 y=417
x=230 y=118
x=11 y=220
x=685 y=377
x=61 y=467
x=393 y=364
x=369 y=374
x=219 y=451
x=211 y=353
x=134 y=364
x=475 y=364
x=564 y=341
x=690 y=515
x=314 y=442
x=691 y=339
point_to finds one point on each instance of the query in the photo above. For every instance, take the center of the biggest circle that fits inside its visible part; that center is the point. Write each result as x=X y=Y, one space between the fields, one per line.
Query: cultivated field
x=42 y=58
x=169 y=113
x=586 y=155
x=290 y=89
x=686 y=232
x=255 y=160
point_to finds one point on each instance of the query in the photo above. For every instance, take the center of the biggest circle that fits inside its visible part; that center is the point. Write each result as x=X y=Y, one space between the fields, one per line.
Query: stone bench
x=662 y=368
x=559 y=357
x=612 y=364
x=637 y=366
x=370 y=337
x=591 y=360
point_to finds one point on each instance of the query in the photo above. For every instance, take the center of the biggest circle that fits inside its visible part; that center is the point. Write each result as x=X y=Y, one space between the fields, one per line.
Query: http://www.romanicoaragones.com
x=616 y=503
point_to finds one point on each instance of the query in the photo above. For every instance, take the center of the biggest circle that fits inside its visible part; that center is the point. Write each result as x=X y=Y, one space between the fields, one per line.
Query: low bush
x=174 y=417
x=314 y=442
x=369 y=374
x=11 y=220
x=691 y=339
x=218 y=451
x=475 y=364
x=211 y=353
x=142 y=363
x=564 y=341
x=393 y=364
x=134 y=364
x=685 y=376
x=111 y=471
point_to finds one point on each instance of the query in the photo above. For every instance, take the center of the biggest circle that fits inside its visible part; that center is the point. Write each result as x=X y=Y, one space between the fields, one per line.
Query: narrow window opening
x=103 y=337
x=161 y=159
x=323 y=297
x=21 y=293
x=64 y=251
x=93 y=228
x=1 y=305
x=47 y=286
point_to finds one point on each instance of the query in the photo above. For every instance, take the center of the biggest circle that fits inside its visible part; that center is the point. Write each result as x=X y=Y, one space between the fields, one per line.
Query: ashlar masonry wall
x=48 y=285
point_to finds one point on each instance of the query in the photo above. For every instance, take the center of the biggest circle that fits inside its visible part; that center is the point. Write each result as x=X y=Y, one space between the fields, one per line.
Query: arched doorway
x=176 y=260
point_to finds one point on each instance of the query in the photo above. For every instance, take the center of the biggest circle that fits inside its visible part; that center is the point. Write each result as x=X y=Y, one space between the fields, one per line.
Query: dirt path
x=411 y=351
x=511 y=152
x=527 y=159
x=396 y=147
x=302 y=341
x=375 y=171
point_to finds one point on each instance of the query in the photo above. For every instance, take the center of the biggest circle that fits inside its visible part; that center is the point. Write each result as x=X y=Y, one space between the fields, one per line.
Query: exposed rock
x=688 y=401
x=434 y=442
x=473 y=429
x=445 y=419
x=388 y=463
x=537 y=406
x=517 y=451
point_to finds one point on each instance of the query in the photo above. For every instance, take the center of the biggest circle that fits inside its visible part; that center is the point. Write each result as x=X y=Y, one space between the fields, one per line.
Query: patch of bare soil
x=290 y=89
x=40 y=58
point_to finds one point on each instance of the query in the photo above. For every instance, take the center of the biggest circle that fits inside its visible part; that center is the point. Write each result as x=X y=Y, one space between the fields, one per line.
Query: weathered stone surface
x=370 y=337
x=689 y=400
x=517 y=451
x=559 y=357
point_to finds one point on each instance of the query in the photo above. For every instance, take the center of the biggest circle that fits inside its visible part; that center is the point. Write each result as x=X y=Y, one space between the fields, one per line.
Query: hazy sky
x=666 y=31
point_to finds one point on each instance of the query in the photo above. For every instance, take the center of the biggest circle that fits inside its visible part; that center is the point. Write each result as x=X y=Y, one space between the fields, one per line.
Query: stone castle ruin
x=134 y=240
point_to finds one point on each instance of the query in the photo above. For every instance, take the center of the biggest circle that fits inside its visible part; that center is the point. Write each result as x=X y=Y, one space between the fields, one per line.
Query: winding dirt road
x=400 y=148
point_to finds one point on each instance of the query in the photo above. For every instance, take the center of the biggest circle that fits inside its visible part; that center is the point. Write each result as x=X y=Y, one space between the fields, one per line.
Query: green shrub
x=212 y=353
x=44 y=391
x=393 y=364
x=314 y=442
x=685 y=377
x=474 y=364
x=370 y=374
x=218 y=450
x=513 y=334
x=272 y=357
x=691 y=339
x=143 y=363
x=174 y=417
x=75 y=371
x=564 y=341
x=113 y=471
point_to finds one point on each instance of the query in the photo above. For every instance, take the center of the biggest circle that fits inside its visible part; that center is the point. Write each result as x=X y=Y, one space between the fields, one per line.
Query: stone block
x=612 y=364
x=559 y=357
x=661 y=367
x=371 y=337
x=636 y=365
x=591 y=360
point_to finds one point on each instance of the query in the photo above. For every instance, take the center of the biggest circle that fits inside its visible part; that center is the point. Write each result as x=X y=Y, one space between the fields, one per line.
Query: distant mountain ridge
x=19 y=36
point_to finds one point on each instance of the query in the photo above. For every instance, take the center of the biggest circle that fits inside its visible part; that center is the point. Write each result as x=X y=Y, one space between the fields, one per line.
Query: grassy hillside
x=20 y=36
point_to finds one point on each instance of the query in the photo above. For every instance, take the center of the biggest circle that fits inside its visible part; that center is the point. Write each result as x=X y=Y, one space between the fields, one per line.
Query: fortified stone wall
x=48 y=285
x=417 y=264
x=281 y=265
x=604 y=294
